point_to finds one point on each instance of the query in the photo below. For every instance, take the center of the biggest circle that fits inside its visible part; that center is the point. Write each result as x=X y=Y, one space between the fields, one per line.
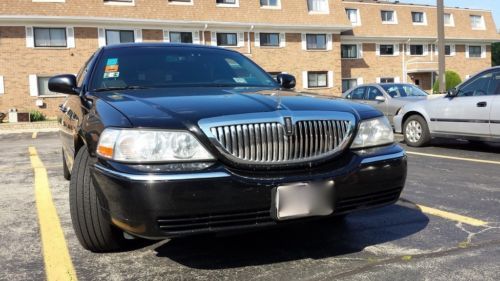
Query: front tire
x=416 y=131
x=91 y=225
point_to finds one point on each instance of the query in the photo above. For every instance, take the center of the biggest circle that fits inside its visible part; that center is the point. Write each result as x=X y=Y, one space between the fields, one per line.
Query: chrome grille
x=267 y=142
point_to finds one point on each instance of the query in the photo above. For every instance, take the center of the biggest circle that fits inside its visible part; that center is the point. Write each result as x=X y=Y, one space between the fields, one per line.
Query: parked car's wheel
x=66 y=173
x=92 y=227
x=416 y=131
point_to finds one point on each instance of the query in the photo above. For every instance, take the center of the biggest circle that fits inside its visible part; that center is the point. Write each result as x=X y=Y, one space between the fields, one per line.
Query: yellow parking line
x=58 y=265
x=453 y=157
x=34 y=135
x=451 y=216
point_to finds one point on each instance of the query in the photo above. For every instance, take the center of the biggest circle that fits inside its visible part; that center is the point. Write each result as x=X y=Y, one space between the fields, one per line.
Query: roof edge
x=24 y=20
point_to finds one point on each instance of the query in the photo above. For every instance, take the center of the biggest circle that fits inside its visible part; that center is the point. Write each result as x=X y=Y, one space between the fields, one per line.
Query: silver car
x=470 y=111
x=386 y=97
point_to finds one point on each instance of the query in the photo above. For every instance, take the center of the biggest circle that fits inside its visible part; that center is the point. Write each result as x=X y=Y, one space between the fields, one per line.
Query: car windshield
x=403 y=90
x=158 y=67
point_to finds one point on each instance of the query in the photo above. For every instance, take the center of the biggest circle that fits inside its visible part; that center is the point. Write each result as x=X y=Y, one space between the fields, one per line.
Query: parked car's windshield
x=157 y=67
x=403 y=90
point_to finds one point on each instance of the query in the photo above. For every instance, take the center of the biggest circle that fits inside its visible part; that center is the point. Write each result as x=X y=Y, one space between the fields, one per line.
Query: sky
x=493 y=5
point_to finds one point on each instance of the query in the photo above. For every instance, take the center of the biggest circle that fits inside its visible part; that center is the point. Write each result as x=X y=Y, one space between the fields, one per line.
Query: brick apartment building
x=329 y=45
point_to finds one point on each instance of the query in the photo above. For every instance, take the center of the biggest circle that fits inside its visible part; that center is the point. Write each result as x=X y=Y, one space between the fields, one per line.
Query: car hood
x=184 y=107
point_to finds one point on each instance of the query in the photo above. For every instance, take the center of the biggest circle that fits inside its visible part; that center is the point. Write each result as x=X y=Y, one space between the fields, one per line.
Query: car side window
x=358 y=94
x=479 y=86
x=494 y=87
x=373 y=93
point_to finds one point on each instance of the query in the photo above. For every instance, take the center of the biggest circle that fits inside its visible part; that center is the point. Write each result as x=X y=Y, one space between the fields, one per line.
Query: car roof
x=380 y=84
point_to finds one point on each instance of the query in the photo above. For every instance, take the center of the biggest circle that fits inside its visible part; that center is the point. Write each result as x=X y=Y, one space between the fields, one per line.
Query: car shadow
x=306 y=240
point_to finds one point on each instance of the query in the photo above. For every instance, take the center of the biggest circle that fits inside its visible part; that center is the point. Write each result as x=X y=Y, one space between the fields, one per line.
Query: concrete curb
x=46 y=126
x=19 y=131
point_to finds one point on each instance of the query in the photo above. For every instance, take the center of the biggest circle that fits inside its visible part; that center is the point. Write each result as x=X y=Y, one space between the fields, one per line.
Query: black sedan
x=165 y=140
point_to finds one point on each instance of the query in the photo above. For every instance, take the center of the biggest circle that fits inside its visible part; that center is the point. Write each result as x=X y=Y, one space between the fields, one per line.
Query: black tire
x=92 y=227
x=416 y=131
x=66 y=173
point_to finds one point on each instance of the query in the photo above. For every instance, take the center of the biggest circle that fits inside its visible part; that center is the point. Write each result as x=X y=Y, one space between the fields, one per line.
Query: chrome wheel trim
x=413 y=131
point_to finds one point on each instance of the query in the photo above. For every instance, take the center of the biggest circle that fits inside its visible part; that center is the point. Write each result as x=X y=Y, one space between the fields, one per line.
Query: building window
x=353 y=16
x=476 y=22
x=448 y=20
x=447 y=50
x=181 y=37
x=475 y=51
x=349 y=51
x=416 y=50
x=119 y=36
x=348 y=84
x=386 y=80
x=229 y=3
x=43 y=86
x=227 y=39
x=418 y=17
x=119 y=1
x=318 y=6
x=317 y=79
x=316 y=41
x=388 y=16
x=180 y=1
x=50 y=37
x=269 y=39
x=270 y=3
x=387 y=50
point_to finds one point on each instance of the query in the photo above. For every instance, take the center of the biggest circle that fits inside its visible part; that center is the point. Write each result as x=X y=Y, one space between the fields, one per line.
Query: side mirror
x=286 y=81
x=65 y=84
x=380 y=98
x=452 y=93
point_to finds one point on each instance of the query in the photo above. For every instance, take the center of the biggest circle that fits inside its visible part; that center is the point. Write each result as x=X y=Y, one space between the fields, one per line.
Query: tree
x=495 y=54
x=452 y=80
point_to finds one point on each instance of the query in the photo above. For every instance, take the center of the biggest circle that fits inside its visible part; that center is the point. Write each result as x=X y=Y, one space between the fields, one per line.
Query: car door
x=495 y=107
x=468 y=112
x=371 y=95
x=71 y=113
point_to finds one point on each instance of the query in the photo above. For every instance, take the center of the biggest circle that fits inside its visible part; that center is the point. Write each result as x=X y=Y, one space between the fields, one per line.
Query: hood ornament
x=278 y=100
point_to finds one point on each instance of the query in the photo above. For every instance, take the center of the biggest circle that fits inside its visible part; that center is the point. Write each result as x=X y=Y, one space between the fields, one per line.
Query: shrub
x=36 y=116
x=452 y=80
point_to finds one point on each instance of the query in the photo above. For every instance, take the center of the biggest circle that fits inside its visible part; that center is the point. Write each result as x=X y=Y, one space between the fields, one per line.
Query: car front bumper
x=398 y=124
x=161 y=205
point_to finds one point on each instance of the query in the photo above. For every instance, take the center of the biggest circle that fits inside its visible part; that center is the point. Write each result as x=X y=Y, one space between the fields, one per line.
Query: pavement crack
x=471 y=234
x=405 y=259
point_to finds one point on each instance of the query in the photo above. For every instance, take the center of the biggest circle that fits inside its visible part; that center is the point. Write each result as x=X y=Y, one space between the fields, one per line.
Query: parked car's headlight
x=136 y=145
x=373 y=132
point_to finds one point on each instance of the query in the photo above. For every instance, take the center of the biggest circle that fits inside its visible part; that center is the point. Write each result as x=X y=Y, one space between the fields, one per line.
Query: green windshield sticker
x=112 y=61
x=111 y=74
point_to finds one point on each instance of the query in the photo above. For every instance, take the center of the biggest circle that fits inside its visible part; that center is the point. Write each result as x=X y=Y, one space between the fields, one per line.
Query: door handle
x=482 y=104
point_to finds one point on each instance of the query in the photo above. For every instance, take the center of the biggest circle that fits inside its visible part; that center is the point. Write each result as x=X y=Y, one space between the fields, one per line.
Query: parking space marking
x=443 y=214
x=451 y=216
x=33 y=136
x=58 y=264
x=453 y=157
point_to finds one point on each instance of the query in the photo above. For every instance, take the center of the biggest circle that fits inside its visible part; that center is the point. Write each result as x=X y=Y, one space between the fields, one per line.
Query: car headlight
x=373 y=132
x=136 y=145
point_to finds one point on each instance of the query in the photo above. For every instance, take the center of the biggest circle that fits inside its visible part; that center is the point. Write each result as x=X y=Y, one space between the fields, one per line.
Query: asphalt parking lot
x=445 y=227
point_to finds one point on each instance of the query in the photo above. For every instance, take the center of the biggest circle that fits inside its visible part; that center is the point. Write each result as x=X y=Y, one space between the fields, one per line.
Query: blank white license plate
x=300 y=200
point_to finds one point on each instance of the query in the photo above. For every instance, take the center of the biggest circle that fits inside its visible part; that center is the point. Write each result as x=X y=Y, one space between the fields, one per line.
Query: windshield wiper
x=119 y=88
